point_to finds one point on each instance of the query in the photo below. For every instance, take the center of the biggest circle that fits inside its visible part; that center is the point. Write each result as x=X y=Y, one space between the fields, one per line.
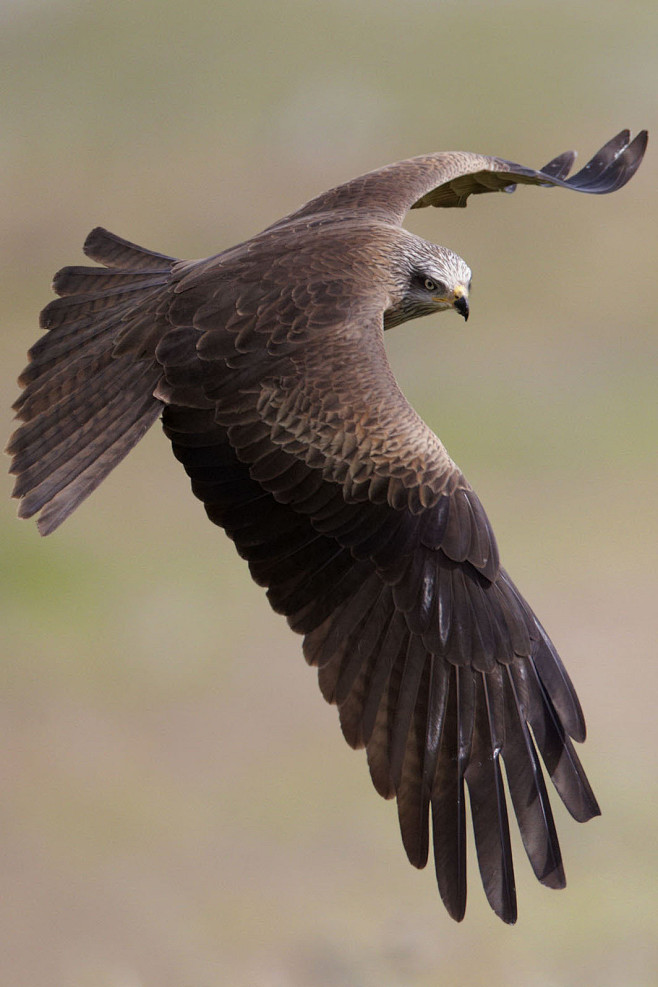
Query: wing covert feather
x=431 y=722
x=269 y=363
x=448 y=178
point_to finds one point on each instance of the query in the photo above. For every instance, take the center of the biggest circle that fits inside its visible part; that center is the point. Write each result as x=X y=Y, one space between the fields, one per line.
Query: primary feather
x=267 y=366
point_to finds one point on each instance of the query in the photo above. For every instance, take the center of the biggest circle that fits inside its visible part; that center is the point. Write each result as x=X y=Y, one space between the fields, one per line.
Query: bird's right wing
x=375 y=547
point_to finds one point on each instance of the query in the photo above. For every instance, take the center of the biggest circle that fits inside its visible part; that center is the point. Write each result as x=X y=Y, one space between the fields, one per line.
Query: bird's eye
x=430 y=285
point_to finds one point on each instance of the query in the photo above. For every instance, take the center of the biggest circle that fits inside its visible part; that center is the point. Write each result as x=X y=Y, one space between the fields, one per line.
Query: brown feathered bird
x=267 y=365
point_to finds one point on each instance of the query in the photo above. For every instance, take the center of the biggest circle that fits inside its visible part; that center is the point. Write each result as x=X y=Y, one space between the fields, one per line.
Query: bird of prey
x=266 y=363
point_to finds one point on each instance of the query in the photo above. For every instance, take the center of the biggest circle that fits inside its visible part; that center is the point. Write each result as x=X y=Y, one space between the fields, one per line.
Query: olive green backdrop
x=178 y=808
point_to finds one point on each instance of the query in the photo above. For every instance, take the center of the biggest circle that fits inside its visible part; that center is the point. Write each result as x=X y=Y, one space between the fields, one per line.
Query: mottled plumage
x=267 y=365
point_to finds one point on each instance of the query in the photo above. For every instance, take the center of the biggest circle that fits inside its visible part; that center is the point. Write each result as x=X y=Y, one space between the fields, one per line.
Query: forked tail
x=83 y=408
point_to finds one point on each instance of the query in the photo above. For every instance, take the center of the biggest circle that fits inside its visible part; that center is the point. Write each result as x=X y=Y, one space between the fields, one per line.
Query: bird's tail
x=84 y=407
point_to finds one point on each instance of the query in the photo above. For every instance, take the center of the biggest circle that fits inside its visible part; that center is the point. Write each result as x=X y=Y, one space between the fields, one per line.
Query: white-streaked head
x=431 y=279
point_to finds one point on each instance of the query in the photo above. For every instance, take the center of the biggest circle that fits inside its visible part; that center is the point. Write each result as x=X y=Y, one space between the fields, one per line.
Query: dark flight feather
x=267 y=365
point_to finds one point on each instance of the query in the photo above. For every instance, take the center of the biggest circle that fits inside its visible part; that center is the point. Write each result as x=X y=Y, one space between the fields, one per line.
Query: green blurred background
x=178 y=806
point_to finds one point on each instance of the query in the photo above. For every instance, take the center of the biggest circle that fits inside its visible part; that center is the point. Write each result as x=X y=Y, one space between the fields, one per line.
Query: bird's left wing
x=448 y=178
x=371 y=542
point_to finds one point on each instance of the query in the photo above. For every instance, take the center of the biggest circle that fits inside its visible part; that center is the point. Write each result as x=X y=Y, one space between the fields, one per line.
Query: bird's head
x=429 y=279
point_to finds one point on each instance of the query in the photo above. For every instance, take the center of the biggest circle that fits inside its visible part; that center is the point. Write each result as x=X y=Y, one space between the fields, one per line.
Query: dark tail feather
x=115 y=252
x=83 y=408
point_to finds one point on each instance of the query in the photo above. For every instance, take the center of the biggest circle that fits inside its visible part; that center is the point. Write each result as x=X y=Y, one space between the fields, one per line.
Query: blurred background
x=178 y=806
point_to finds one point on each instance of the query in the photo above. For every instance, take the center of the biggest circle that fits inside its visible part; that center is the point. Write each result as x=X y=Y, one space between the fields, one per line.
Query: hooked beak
x=460 y=301
x=461 y=306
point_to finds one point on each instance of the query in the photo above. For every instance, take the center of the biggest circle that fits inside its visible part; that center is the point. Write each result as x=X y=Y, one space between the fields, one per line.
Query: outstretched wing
x=280 y=403
x=374 y=546
x=447 y=178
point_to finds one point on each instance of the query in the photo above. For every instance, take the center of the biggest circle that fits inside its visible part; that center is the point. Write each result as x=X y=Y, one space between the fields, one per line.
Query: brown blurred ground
x=178 y=808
